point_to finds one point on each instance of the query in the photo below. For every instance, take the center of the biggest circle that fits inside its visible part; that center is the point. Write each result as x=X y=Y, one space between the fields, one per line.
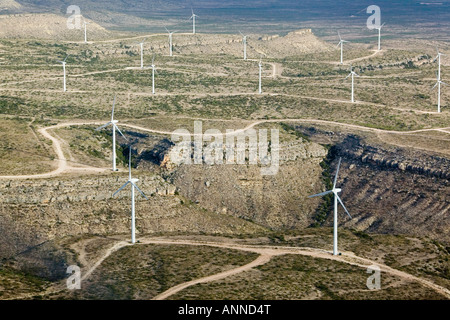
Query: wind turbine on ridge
x=64 y=71
x=114 y=128
x=341 y=43
x=132 y=182
x=353 y=74
x=335 y=191
x=244 y=41
x=142 y=52
x=170 y=41
x=193 y=20
x=379 y=35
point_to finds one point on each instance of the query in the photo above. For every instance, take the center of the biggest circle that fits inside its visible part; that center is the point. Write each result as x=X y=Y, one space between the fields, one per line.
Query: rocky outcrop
x=433 y=166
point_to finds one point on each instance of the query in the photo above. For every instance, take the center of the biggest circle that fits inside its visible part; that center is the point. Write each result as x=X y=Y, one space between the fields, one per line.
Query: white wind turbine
x=114 y=128
x=64 y=72
x=170 y=41
x=244 y=41
x=335 y=191
x=379 y=36
x=132 y=182
x=438 y=84
x=341 y=43
x=153 y=73
x=353 y=74
x=85 y=31
x=141 y=44
x=260 y=73
x=193 y=20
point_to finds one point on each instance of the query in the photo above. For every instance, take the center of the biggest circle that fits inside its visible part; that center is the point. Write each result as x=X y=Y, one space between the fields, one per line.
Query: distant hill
x=46 y=26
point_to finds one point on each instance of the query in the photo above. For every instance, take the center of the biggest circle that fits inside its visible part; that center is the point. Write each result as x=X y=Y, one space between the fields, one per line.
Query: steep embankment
x=392 y=190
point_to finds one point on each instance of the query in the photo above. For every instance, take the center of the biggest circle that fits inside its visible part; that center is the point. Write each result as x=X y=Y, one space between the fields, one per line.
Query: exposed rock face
x=278 y=201
x=394 y=191
x=432 y=166
x=87 y=189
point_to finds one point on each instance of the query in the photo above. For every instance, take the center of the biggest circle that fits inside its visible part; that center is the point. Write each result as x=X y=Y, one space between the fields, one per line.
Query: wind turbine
x=244 y=41
x=114 y=128
x=352 y=73
x=170 y=41
x=153 y=73
x=438 y=84
x=335 y=191
x=85 y=31
x=438 y=58
x=260 y=73
x=132 y=182
x=142 y=52
x=193 y=20
x=341 y=43
x=379 y=35
x=64 y=71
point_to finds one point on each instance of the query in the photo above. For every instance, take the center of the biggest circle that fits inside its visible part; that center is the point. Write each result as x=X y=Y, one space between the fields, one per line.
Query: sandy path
x=262 y=259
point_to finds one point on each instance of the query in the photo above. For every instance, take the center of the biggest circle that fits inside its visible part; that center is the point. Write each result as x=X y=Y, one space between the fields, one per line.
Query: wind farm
x=361 y=175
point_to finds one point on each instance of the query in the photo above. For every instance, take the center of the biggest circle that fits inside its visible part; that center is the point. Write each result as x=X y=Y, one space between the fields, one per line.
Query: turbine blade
x=442 y=82
x=137 y=188
x=66 y=58
x=166 y=29
x=337 y=172
x=342 y=204
x=339 y=36
x=435 y=85
x=321 y=194
x=103 y=126
x=115 y=126
x=129 y=163
x=112 y=112
x=121 y=188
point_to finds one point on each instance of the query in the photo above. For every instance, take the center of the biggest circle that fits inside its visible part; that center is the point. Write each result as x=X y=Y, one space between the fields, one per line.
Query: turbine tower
x=153 y=73
x=64 y=72
x=335 y=191
x=260 y=73
x=141 y=44
x=438 y=59
x=170 y=41
x=379 y=36
x=438 y=84
x=193 y=20
x=341 y=43
x=114 y=128
x=85 y=31
x=244 y=41
x=132 y=182
x=353 y=74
